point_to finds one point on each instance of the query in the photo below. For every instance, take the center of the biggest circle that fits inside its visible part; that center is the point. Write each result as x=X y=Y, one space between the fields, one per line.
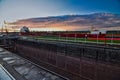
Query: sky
x=12 y=10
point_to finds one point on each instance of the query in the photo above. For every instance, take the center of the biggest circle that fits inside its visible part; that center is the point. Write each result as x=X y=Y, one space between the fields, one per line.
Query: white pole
x=97 y=38
x=75 y=37
x=112 y=40
x=66 y=36
x=59 y=36
x=85 y=37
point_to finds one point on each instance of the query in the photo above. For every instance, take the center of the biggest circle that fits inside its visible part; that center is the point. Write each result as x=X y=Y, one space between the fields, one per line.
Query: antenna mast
x=5 y=23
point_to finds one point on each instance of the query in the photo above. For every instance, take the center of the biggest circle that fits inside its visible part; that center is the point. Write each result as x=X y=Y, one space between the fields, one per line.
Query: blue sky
x=11 y=10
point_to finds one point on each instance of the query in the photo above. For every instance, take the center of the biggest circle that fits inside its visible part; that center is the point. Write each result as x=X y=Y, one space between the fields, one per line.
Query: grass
x=86 y=40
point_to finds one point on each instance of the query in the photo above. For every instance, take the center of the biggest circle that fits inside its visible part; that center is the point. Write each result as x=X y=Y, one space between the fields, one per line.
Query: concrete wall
x=78 y=62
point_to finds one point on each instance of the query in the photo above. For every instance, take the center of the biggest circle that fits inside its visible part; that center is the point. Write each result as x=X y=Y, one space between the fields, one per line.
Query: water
x=4 y=75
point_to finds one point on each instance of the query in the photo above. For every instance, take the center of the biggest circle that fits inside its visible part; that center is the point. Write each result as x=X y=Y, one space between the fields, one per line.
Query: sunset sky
x=12 y=10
